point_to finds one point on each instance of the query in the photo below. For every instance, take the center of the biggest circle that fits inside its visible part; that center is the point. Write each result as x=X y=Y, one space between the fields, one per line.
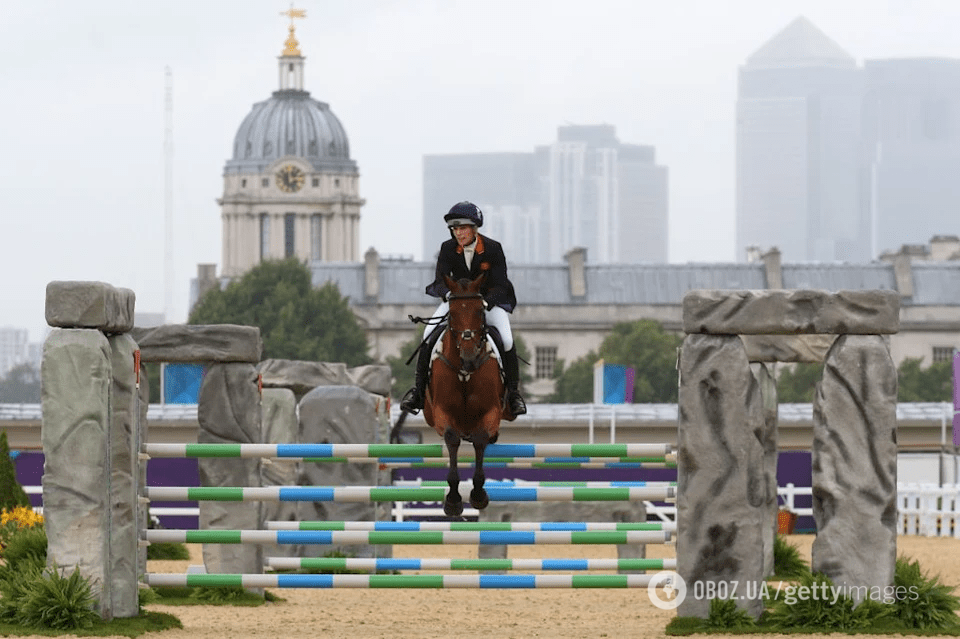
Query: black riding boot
x=412 y=401
x=511 y=370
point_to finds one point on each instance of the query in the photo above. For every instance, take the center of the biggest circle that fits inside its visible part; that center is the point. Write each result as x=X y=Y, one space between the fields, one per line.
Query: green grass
x=787 y=561
x=165 y=550
x=132 y=627
x=917 y=606
x=205 y=596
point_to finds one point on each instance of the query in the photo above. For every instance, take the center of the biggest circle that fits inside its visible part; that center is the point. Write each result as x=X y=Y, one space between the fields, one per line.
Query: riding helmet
x=464 y=213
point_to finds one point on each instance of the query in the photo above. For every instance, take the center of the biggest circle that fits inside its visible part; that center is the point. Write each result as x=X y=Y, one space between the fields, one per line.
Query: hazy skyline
x=83 y=111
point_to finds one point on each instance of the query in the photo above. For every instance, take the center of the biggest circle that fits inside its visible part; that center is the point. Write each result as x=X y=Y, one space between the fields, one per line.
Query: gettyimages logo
x=666 y=590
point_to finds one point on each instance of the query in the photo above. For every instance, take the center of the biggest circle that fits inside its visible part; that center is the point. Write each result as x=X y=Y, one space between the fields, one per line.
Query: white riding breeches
x=496 y=317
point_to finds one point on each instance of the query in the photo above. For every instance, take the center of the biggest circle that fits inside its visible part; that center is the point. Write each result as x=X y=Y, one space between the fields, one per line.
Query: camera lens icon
x=666 y=590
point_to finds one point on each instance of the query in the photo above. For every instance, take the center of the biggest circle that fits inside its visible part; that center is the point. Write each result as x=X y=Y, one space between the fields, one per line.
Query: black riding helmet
x=463 y=213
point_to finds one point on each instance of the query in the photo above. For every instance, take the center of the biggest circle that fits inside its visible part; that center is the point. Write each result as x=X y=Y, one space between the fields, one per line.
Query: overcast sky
x=82 y=110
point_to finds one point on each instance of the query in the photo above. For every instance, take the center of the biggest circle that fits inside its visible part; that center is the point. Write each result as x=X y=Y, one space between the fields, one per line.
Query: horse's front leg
x=478 y=496
x=453 y=504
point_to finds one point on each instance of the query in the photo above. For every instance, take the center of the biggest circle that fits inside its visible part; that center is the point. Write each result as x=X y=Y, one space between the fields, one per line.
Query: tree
x=797 y=384
x=21 y=385
x=11 y=492
x=931 y=384
x=642 y=345
x=296 y=320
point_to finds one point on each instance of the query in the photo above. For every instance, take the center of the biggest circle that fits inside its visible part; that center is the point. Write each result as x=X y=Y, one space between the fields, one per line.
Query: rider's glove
x=486 y=305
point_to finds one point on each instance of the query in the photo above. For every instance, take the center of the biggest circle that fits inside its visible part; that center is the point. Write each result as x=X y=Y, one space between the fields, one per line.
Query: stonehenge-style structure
x=726 y=455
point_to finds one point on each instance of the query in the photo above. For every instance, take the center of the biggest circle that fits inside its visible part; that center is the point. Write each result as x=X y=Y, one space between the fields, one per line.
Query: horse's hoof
x=479 y=499
x=453 y=508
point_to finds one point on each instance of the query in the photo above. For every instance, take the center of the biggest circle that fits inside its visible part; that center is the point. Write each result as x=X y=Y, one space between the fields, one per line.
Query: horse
x=464 y=399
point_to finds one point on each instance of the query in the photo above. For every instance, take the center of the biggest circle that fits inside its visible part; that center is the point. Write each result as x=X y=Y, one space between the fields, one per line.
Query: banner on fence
x=181 y=383
x=612 y=383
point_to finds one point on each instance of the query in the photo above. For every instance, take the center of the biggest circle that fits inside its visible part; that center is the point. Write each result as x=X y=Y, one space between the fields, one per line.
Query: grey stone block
x=124 y=473
x=229 y=412
x=787 y=348
x=786 y=312
x=301 y=377
x=855 y=465
x=721 y=489
x=199 y=343
x=76 y=376
x=89 y=305
x=339 y=415
x=280 y=426
x=768 y=438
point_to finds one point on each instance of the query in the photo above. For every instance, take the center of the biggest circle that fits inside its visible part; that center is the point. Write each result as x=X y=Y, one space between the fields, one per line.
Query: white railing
x=929 y=510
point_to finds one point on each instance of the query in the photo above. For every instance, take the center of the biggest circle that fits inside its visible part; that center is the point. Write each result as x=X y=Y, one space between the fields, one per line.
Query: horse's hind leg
x=478 y=496
x=453 y=504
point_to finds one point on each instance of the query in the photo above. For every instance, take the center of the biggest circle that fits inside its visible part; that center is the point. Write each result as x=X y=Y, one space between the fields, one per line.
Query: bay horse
x=464 y=399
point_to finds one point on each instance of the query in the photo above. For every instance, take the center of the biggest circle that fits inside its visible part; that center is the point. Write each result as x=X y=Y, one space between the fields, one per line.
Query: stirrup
x=412 y=401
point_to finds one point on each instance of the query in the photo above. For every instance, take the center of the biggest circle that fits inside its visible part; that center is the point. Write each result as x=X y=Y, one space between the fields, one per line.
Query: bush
x=787 y=562
x=926 y=603
x=11 y=492
x=724 y=615
x=58 y=602
x=167 y=550
x=823 y=613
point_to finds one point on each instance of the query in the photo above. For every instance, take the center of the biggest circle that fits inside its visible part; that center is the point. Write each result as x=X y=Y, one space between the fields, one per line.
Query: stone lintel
x=96 y=305
x=301 y=377
x=791 y=312
x=787 y=348
x=199 y=343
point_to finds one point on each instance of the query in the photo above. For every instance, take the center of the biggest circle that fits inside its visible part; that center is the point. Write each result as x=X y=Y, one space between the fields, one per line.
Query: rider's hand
x=486 y=305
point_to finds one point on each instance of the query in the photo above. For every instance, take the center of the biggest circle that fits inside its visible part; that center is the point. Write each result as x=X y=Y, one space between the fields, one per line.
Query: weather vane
x=291 y=46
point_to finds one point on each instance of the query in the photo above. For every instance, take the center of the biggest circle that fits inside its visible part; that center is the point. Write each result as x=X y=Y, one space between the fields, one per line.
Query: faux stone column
x=855 y=465
x=768 y=438
x=279 y=412
x=124 y=474
x=76 y=376
x=229 y=412
x=721 y=491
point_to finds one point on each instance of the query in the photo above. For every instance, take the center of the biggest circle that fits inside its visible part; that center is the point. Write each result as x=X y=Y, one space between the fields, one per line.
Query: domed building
x=291 y=188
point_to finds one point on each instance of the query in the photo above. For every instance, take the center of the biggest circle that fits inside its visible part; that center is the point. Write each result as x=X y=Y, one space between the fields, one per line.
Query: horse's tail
x=395 y=431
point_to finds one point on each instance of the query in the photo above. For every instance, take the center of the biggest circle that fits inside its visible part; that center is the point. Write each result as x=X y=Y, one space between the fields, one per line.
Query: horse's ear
x=449 y=282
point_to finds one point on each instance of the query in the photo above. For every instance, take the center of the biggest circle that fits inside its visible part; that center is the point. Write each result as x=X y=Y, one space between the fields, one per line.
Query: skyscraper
x=587 y=189
x=841 y=162
x=798 y=131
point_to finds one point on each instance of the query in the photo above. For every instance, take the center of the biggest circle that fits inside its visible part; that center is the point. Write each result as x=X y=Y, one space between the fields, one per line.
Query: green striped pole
x=363 y=494
x=433 y=538
x=398 y=581
x=399 y=563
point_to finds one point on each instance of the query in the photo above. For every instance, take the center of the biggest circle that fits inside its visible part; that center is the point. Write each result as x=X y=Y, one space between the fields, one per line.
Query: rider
x=466 y=255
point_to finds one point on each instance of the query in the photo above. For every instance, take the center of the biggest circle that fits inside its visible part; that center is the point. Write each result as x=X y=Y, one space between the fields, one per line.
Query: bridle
x=464 y=337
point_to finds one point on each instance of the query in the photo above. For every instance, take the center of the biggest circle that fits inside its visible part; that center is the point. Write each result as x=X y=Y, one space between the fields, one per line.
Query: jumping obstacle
x=400 y=581
x=429 y=533
x=387 y=463
x=433 y=538
x=362 y=494
x=383 y=564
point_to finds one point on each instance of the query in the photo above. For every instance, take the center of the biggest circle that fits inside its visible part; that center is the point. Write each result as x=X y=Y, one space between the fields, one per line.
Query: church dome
x=291 y=123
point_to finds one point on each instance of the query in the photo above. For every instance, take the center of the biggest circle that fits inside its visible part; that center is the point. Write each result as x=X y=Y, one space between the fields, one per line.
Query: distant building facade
x=567 y=309
x=838 y=162
x=290 y=189
x=585 y=190
x=15 y=349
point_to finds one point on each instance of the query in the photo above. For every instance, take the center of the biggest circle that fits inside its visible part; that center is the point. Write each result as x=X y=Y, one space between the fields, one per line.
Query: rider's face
x=465 y=234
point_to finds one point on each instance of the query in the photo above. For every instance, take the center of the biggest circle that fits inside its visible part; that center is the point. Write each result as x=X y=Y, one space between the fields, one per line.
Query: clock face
x=290 y=179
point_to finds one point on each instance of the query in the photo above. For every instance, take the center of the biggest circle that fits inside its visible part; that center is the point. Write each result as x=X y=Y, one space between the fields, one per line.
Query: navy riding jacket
x=497 y=289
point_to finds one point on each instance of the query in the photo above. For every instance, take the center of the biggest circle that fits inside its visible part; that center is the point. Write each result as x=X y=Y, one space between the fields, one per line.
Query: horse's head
x=467 y=324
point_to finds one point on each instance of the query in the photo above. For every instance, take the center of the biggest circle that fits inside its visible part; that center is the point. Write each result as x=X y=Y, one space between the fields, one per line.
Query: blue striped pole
x=468 y=525
x=351 y=537
x=397 y=563
x=363 y=494
x=401 y=450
